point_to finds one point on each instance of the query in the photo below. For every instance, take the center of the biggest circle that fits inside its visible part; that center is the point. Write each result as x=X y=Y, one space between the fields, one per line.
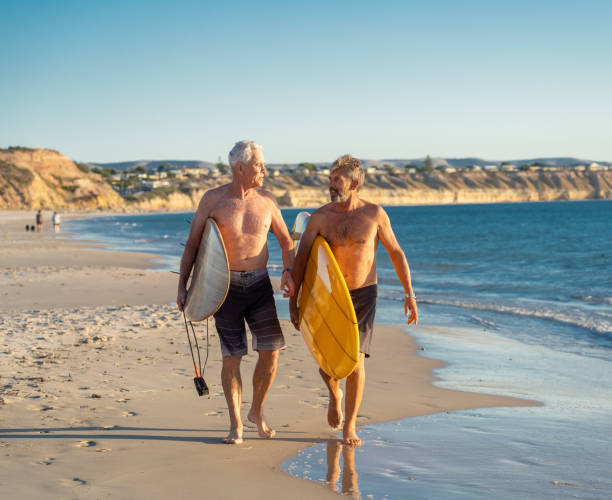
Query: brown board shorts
x=364 y=302
x=250 y=298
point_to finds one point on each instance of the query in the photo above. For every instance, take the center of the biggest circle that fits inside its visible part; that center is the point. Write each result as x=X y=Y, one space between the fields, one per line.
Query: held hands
x=410 y=304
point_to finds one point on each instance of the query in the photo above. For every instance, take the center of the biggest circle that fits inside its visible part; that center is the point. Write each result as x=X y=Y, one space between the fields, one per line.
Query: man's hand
x=410 y=304
x=287 y=285
x=293 y=312
x=181 y=298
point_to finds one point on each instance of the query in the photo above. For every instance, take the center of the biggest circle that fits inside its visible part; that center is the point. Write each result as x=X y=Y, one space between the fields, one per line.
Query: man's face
x=255 y=170
x=339 y=185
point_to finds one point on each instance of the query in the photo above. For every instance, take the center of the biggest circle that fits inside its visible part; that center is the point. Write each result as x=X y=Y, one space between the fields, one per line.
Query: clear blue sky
x=128 y=80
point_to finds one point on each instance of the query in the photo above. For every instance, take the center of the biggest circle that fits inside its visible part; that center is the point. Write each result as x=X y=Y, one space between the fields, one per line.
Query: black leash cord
x=195 y=338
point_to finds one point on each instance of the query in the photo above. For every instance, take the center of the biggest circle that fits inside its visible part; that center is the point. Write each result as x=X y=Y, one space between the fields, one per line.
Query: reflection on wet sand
x=349 y=475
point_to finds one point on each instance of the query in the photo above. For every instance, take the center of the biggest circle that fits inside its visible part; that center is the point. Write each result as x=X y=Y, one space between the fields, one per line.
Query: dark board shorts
x=364 y=302
x=250 y=298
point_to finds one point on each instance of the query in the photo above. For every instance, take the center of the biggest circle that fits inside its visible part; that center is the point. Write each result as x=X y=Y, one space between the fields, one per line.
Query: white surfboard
x=210 y=278
x=299 y=226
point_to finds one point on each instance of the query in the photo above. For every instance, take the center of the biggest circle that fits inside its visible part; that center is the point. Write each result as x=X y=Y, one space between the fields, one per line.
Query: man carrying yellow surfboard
x=244 y=214
x=353 y=228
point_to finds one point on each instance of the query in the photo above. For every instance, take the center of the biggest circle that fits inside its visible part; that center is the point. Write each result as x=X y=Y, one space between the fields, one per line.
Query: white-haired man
x=353 y=227
x=245 y=214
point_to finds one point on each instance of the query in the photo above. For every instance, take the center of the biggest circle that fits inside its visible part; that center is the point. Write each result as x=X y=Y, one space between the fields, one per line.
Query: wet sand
x=97 y=397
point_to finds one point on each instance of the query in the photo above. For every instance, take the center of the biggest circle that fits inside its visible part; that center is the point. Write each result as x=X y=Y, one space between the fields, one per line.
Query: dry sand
x=96 y=390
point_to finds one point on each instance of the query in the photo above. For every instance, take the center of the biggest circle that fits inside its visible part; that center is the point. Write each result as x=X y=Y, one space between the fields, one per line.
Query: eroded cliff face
x=44 y=179
x=471 y=187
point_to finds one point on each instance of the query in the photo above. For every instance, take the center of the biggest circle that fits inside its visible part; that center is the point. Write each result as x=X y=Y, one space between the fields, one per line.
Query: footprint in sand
x=129 y=414
x=75 y=481
x=46 y=461
x=86 y=444
x=102 y=450
x=45 y=408
x=124 y=400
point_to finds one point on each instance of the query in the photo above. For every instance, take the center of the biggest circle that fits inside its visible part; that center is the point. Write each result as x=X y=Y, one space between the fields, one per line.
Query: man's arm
x=279 y=229
x=191 y=249
x=308 y=237
x=400 y=264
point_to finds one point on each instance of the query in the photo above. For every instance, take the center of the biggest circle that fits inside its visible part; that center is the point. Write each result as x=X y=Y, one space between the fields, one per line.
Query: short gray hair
x=242 y=152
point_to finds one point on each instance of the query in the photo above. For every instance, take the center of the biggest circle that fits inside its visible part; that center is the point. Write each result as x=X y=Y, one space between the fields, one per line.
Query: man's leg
x=263 y=376
x=355 y=383
x=334 y=408
x=349 y=474
x=232 y=388
x=333 y=463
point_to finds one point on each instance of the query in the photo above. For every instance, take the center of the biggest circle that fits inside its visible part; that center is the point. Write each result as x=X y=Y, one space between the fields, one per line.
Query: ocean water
x=517 y=299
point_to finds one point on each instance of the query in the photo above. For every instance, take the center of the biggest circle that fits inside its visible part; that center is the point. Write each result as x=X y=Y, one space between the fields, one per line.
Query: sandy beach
x=96 y=391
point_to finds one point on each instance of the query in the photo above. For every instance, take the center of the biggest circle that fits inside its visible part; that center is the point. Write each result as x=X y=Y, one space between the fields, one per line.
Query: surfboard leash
x=200 y=384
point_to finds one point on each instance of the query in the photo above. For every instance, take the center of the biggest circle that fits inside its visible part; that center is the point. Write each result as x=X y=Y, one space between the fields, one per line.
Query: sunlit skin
x=245 y=213
x=349 y=474
x=353 y=228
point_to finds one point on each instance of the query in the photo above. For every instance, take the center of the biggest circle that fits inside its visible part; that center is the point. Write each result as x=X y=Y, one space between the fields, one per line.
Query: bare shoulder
x=211 y=196
x=320 y=215
x=374 y=210
x=322 y=211
x=266 y=195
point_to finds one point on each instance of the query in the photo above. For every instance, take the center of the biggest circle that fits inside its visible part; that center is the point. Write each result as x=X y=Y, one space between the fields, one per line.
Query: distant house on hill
x=178 y=173
x=154 y=184
x=490 y=168
x=508 y=167
x=448 y=170
x=595 y=167
x=197 y=172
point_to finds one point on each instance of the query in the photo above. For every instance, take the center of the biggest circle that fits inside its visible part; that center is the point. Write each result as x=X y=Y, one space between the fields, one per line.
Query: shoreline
x=126 y=211
x=98 y=366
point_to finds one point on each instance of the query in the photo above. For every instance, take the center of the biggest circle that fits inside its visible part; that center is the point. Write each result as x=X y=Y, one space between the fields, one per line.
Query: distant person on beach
x=245 y=213
x=39 y=221
x=56 y=220
x=353 y=228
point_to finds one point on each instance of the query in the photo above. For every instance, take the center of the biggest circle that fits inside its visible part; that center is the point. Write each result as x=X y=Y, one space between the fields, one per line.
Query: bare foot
x=334 y=409
x=350 y=438
x=262 y=426
x=234 y=437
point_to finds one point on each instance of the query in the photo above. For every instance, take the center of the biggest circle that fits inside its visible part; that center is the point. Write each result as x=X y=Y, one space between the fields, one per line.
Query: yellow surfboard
x=327 y=318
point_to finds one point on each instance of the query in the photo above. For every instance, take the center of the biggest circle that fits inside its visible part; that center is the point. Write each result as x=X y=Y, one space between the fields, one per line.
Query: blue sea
x=517 y=299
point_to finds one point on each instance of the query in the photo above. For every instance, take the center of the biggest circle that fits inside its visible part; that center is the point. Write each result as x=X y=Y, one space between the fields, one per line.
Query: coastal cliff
x=465 y=187
x=415 y=189
x=40 y=178
x=46 y=179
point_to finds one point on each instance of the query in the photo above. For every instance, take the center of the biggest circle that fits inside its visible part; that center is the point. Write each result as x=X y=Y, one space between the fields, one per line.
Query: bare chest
x=242 y=217
x=348 y=229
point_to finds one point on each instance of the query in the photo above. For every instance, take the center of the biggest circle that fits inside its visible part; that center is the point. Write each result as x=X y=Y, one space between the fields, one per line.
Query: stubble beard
x=337 y=197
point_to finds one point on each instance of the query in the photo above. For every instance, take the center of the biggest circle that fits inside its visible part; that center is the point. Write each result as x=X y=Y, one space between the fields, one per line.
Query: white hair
x=243 y=152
